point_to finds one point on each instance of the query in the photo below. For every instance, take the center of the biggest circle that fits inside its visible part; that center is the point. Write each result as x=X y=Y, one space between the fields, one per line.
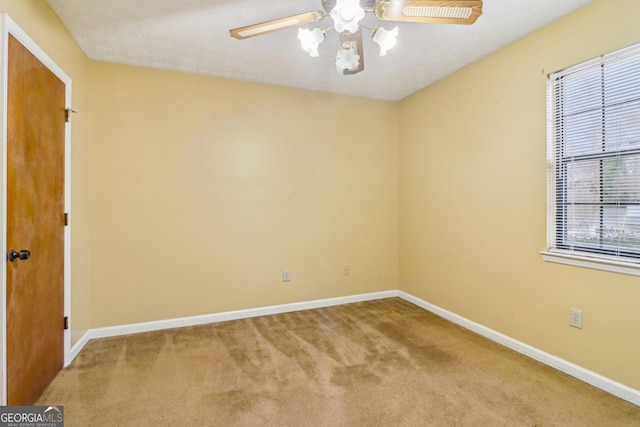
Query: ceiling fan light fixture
x=310 y=39
x=347 y=59
x=386 y=39
x=346 y=15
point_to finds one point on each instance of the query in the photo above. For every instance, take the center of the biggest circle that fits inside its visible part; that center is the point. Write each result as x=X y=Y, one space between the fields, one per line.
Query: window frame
x=561 y=252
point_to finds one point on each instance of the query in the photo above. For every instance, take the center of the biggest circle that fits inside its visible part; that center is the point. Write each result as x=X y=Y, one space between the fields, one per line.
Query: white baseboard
x=77 y=347
x=134 y=328
x=620 y=390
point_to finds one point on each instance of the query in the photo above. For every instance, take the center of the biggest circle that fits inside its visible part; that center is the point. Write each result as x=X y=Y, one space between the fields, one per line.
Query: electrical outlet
x=286 y=275
x=575 y=318
x=346 y=270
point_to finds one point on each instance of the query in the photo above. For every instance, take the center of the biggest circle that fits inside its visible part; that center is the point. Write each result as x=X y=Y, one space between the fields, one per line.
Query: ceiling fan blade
x=276 y=24
x=435 y=11
x=355 y=40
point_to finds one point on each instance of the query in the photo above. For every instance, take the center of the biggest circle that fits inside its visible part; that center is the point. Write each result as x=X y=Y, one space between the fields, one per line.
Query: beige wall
x=205 y=189
x=472 y=201
x=43 y=26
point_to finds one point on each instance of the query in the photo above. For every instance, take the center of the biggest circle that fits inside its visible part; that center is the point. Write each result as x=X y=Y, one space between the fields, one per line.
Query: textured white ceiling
x=193 y=36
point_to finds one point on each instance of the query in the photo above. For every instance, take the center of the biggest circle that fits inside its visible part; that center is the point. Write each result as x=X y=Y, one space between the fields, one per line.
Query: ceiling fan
x=346 y=15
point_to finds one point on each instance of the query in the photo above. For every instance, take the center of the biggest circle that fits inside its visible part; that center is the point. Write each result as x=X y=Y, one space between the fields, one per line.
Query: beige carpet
x=377 y=363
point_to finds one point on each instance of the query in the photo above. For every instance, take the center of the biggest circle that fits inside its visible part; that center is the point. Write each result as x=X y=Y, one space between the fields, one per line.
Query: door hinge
x=66 y=322
x=66 y=219
x=67 y=116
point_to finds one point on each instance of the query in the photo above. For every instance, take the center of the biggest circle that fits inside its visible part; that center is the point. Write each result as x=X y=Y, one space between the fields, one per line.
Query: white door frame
x=8 y=26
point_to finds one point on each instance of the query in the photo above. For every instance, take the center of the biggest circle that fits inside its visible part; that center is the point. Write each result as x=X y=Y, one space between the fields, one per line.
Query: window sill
x=615 y=266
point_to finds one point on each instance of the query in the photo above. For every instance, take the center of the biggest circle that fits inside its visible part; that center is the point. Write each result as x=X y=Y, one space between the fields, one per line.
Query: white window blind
x=594 y=157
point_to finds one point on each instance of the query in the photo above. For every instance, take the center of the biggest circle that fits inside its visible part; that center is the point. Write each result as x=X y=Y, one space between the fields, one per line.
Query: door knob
x=14 y=255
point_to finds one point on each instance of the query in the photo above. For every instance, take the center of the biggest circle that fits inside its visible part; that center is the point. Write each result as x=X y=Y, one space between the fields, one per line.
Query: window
x=594 y=162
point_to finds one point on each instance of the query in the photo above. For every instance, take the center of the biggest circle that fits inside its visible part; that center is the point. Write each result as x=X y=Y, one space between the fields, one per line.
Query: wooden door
x=35 y=222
